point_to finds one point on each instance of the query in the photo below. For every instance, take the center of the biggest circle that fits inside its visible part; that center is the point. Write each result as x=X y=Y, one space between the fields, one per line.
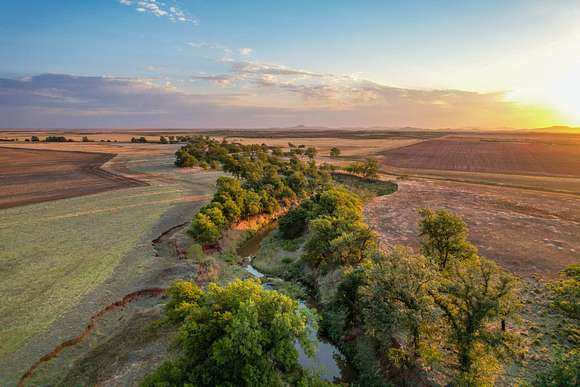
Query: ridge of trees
x=262 y=182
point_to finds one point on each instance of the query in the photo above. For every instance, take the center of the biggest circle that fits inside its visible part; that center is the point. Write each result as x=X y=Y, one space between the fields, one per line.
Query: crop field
x=63 y=260
x=554 y=156
x=32 y=176
x=527 y=232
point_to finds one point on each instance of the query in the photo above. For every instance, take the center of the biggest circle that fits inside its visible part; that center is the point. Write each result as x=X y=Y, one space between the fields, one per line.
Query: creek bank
x=327 y=360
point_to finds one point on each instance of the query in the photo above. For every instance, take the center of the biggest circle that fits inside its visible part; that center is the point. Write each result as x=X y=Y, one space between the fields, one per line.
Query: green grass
x=53 y=254
x=365 y=188
x=277 y=255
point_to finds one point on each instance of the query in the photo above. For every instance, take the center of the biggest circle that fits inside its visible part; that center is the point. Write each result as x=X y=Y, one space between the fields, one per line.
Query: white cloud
x=161 y=9
x=246 y=51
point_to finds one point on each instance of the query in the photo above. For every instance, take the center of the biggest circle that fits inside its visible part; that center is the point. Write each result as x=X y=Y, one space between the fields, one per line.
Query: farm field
x=554 y=156
x=64 y=260
x=32 y=175
x=527 y=232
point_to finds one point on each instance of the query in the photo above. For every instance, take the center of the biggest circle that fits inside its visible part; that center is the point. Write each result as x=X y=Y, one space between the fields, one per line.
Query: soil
x=551 y=156
x=527 y=232
x=30 y=176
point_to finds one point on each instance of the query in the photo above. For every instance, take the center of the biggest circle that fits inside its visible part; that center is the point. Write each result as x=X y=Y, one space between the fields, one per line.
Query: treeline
x=264 y=181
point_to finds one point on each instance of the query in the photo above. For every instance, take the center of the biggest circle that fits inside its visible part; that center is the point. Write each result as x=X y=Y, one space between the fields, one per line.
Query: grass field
x=63 y=260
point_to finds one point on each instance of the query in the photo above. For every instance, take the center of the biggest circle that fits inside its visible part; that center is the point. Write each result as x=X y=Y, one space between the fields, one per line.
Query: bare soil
x=557 y=155
x=527 y=232
x=31 y=175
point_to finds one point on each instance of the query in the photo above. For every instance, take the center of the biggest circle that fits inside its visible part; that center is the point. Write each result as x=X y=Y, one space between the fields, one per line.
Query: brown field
x=523 y=155
x=32 y=176
x=524 y=231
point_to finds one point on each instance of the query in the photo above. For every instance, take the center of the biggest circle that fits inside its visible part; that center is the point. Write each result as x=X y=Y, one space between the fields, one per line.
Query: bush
x=567 y=292
x=564 y=371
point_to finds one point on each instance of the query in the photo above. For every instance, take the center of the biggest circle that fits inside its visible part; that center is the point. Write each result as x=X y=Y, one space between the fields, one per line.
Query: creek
x=327 y=359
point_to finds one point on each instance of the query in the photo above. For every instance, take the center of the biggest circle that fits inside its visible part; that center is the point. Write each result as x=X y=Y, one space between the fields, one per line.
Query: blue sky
x=267 y=63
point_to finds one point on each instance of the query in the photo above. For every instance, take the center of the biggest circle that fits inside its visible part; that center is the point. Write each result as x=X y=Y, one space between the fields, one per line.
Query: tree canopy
x=237 y=335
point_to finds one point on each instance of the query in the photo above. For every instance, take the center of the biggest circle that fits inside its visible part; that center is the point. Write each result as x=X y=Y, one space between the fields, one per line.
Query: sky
x=256 y=64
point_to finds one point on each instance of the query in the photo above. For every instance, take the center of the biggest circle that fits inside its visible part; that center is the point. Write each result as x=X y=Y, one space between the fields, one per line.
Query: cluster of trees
x=416 y=308
x=338 y=235
x=369 y=168
x=51 y=139
x=237 y=335
x=139 y=140
x=262 y=182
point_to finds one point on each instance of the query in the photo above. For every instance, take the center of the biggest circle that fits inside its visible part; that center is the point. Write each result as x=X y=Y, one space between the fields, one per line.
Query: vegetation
x=56 y=139
x=334 y=152
x=567 y=292
x=237 y=335
x=368 y=168
x=444 y=237
x=365 y=188
x=445 y=305
x=263 y=182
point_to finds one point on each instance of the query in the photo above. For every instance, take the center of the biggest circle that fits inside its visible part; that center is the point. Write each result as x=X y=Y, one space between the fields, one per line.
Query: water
x=324 y=359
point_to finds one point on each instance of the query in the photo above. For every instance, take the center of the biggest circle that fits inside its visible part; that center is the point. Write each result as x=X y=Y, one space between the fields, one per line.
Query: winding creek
x=327 y=358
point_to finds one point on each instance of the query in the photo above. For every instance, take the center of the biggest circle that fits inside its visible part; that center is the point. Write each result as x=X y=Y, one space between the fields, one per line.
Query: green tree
x=204 y=230
x=370 y=168
x=34 y=139
x=294 y=223
x=163 y=140
x=310 y=152
x=216 y=215
x=444 y=237
x=397 y=303
x=252 y=203
x=334 y=152
x=238 y=335
x=566 y=291
x=476 y=298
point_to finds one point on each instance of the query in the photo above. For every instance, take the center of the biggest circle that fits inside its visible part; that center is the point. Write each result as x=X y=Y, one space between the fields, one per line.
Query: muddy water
x=325 y=357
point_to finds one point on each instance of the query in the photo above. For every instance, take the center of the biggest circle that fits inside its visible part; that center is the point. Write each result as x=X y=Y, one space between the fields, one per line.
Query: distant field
x=32 y=176
x=545 y=156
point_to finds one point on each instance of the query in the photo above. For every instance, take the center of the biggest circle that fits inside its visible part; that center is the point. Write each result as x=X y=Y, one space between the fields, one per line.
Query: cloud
x=161 y=9
x=245 y=51
x=251 y=95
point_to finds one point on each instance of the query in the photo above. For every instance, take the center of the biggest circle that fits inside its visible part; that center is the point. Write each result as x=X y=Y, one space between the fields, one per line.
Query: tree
x=338 y=242
x=370 y=168
x=217 y=217
x=34 y=139
x=566 y=292
x=252 y=203
x=294 y=223
x=204 y=230
x=237 y=335
x=476 y=297
x=310 y=152
x=163 y=140
x=334 y=152
x=397 y=303
x=444 y=237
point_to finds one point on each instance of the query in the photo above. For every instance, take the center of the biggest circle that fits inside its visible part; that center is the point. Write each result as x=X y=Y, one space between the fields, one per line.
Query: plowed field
x=31 y=176
x=525 y=157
